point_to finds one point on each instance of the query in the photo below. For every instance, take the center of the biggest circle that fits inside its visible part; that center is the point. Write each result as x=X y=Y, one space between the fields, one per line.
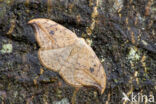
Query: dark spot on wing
x=51 y=32
x=91 y=70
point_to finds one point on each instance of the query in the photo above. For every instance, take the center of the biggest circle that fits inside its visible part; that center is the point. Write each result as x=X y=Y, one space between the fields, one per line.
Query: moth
x=63 y=52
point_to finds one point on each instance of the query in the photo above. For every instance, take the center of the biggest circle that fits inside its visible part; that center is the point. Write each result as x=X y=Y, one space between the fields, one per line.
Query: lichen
x=6 y=48
x=133 y=54
x=63 y=101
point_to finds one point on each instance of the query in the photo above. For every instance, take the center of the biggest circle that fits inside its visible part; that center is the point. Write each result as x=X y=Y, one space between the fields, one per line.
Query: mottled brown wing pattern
x=62 y=51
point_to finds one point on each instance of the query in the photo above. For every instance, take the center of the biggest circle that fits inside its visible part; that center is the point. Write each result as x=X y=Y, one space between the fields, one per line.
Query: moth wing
x=67 y=73
x=84 y=79
x=57 y=60
x=89 y=63
x=58 y=34
x=68 y=70
x=54 y=59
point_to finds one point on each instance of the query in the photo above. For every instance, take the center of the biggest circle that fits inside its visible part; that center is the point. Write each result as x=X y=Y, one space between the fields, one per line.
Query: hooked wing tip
x=32 y=21
x=36 y=20
x=102 y=90
x=102 y=87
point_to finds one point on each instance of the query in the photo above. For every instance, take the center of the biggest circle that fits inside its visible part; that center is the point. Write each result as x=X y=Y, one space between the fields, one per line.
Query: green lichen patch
x=133 y=54
x=6 y=48
x=63 y=101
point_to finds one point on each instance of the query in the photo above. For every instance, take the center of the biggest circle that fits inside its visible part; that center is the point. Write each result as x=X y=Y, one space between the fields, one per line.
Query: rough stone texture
x=122 y=33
